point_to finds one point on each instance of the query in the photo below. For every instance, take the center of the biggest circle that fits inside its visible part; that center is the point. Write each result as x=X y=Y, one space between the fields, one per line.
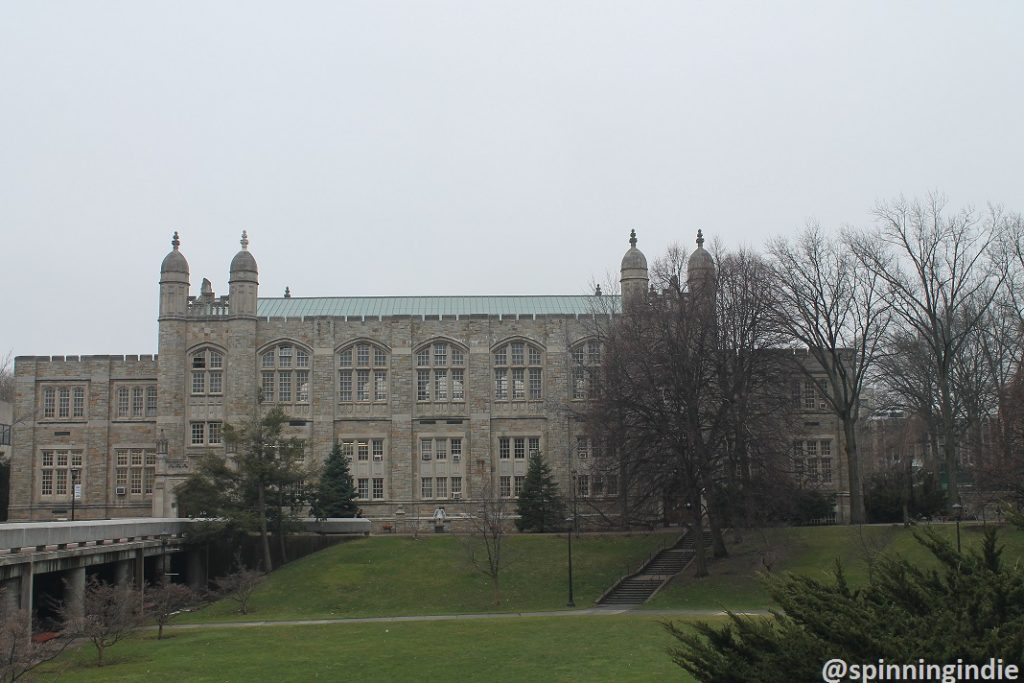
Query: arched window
x=585 y=361
x=518 y=367
x=284 y=374
x=363 y=373
x=207 y=372
x=441 y=372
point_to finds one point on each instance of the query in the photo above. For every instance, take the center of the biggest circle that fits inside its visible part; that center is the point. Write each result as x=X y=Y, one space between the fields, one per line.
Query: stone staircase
x=638 y=588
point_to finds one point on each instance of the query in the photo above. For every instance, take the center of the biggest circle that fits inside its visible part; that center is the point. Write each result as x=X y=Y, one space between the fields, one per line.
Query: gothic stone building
x=437 y=400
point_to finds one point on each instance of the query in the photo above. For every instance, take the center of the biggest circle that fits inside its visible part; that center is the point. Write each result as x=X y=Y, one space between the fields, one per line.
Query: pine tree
x=540 y=506
x=337 y=494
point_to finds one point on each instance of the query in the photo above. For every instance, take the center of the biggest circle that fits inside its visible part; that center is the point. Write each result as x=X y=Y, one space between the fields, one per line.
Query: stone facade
x=438 y=400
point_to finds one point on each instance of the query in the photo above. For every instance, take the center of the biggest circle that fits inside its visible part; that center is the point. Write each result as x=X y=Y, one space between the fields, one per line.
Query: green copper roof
x=384 y=306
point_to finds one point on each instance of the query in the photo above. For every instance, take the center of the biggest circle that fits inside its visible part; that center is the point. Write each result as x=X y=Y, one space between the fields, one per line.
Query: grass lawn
x=733 y=583
x=398 y=575
x=602 y=648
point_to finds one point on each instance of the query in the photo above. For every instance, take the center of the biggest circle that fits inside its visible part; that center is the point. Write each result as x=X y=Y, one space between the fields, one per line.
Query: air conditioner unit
x=456 y=458
x=121 y=490
x=456 y=496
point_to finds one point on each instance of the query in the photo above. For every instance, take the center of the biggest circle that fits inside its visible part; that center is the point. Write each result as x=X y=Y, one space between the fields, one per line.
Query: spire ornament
x=700 y=239
x=175 y=242
x=245 y=241
x=632 y=238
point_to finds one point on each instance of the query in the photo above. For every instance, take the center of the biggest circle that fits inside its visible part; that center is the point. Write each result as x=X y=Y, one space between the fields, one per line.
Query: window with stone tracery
x=363 y=373
x=284 y=374
x=518 y=372
x=441 y=372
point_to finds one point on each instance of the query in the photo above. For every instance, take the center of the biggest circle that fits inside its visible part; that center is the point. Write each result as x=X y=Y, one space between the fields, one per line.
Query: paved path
x=590 y=611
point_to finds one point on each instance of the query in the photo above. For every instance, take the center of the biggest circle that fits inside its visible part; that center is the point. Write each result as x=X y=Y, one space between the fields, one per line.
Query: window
x=503 y=448
x=363 y=488
x=135 y=402
x=284 y=374
x=518 y=372
x=207 y=434
x=517 y=447
x=518 y=485
x=440 y=487
x=440 y=372
x=426 y=449
x=456 y=487
x=586 y=360
x=207 y=372
x=826 y=470
x=363 y=373
x=505 y=486
x=427 y=487
x=611 y=485
x=456 y=447
x=58 y=469
x=814 y=394
x=5 y=435
x=582 y=447
x=520 y=447
x=583 y=485
x=378 y=488
x=64 y=402
x=363 y=449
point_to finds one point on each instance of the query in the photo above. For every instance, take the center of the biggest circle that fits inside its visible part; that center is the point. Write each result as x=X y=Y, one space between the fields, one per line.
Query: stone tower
x=241 y=337
x=633 y=279
x=171 y=373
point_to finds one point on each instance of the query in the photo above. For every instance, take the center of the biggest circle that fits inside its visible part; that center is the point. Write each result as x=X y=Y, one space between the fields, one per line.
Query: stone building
x=437 y=400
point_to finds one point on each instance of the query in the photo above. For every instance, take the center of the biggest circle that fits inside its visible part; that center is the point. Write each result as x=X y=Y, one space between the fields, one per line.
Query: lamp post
x=74 y=490
x=568 y=535
x=957 y=512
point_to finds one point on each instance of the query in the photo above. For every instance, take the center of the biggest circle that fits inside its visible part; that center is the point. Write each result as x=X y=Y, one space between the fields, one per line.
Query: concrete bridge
x=45 y=562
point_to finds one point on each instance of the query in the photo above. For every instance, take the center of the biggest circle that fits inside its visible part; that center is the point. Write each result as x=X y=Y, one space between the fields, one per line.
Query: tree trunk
x=717 y=540
x=853 y=468
x=700 y=556
x=949 y=445
x=261 y=510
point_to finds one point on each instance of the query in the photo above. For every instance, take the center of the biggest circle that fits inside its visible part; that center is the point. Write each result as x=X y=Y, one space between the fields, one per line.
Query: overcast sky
x=396 y=148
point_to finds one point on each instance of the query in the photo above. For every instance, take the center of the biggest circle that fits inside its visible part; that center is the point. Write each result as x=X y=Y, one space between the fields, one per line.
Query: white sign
x=78 y=492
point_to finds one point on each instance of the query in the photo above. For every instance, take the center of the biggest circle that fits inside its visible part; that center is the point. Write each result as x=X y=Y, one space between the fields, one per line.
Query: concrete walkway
x=590 y=611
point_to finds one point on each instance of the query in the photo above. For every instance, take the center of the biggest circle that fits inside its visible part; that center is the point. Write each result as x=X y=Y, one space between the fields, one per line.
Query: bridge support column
x=140 y=569
x=25 y=599
x=11 y=596
x=74 y=591
x=123 y=572
x=196 y=568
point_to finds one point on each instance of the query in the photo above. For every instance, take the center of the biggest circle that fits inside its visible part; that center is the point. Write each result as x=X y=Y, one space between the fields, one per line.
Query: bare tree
x=166 y=600
x=486 y=543
x=239 y=585
x=837 y=311
x=109 y=614
x=7 y=377
x=689 y=388
x=941 y=277
x=19 y=653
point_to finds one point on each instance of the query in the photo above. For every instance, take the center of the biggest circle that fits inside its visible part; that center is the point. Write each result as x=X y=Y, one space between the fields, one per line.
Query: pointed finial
x=632 y=238
x=245 y=240
x=597 y=292
x=175 y=242
x=700 y=239
x=287 y=293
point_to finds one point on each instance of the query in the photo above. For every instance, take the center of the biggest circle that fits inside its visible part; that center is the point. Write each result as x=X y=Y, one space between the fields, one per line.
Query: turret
x=244 y=281
x=174 y=282
x=634 y=279
x=700 y=272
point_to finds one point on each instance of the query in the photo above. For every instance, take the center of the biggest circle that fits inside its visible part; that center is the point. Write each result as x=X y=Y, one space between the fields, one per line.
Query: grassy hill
x=399 y=575
x=734 y=583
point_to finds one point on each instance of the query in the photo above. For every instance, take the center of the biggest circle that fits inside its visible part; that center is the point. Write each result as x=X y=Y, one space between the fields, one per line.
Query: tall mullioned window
x=586 y=359
x=518 y=368
x=58 y=469
x=363 y=373
x=284 y=374
x=440 y=372
x=207 y=372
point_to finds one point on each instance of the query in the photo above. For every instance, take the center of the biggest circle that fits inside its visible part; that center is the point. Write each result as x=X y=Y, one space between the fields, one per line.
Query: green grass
x=734 y=583
x=385 y=576
x=604 y=648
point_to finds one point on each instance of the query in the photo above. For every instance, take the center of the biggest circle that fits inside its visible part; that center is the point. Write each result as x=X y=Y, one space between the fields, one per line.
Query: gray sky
x=377 y=148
